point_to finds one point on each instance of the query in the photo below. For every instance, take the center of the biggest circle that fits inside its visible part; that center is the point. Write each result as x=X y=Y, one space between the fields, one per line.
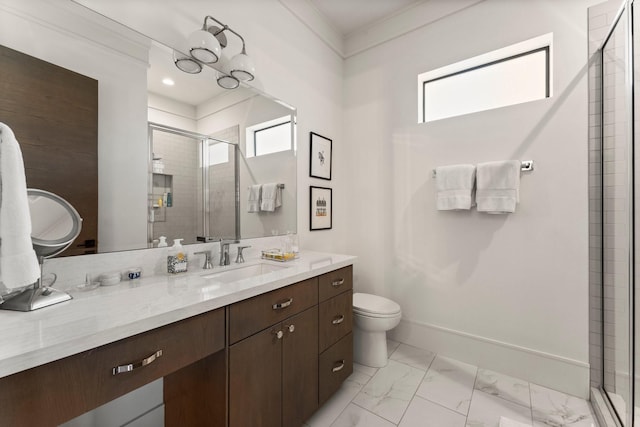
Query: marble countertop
x=106 y=314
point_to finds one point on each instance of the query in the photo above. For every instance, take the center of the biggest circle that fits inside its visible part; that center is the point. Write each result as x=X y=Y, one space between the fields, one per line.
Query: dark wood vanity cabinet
x=282 y=373
x=267 y=361
x=273 y=374
x=53 y=393
x=335 y=330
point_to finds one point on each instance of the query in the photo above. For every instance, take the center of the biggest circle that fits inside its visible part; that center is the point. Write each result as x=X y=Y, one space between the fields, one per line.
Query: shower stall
x=193 y=184
x=612 y=212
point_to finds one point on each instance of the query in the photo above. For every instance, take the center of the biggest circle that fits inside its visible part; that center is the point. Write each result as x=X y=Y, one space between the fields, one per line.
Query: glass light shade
x=227 y=81
x=186 y=63
x=204 y=47
x=242 y=68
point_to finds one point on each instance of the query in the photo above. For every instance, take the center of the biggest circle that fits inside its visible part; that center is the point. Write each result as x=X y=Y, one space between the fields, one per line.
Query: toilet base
x=370 y=348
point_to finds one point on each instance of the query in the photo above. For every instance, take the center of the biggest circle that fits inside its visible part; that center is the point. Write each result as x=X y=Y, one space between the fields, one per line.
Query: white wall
x=506 y=292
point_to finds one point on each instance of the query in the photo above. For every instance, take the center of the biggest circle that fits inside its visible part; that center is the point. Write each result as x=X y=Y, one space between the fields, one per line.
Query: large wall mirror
x=176 y=155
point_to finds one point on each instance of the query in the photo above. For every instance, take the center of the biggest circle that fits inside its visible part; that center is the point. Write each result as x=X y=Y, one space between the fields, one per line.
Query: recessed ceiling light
x=168 y=81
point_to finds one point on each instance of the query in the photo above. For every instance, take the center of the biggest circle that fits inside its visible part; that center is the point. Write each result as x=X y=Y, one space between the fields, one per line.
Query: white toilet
x=373 y=316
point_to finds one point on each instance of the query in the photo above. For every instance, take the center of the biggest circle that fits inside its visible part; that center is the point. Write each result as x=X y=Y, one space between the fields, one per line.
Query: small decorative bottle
x=177 y=258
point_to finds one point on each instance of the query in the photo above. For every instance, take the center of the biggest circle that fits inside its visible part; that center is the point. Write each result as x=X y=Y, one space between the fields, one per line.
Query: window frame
x=532 y=46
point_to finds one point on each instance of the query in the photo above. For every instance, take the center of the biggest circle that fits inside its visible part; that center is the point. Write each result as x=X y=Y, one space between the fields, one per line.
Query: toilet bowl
x=373 y=316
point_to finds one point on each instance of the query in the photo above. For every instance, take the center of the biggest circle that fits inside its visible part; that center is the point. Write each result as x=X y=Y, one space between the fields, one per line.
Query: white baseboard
x=548 y=370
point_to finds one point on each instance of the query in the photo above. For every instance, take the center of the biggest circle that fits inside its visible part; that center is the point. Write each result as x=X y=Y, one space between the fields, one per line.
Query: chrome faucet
x=207 y=259
x=224 y=251
x=240 y=257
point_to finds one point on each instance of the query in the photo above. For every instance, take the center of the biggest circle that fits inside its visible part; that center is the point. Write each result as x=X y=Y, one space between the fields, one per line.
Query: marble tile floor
x=418 y=388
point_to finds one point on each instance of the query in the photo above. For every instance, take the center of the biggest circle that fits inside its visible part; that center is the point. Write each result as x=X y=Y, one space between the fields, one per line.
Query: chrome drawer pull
x=339 y=366
x=281 y=305
x=131 y=366
x=291 y=328
x=337 y=283
x=338 y=320
x=278 y=334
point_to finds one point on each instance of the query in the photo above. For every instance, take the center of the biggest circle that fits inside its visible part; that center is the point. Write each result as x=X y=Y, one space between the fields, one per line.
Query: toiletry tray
x=278 y=255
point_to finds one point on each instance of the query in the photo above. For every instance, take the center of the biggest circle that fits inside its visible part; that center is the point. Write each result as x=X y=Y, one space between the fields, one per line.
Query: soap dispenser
x=163 y=242
x=177 y=258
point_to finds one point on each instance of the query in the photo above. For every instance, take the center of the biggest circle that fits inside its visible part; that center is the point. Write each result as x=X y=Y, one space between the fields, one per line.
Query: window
x=512 y=75
x=269 y=137
x=218 y=153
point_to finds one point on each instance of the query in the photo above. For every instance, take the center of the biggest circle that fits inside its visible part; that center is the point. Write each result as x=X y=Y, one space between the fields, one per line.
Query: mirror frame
x=49 y=248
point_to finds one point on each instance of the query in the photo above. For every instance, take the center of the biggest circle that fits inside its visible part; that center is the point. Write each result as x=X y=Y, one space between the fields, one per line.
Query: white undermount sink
x=246 y=272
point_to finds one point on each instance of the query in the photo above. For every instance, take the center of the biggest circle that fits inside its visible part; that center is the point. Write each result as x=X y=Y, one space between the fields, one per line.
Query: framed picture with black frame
x=320 y=156
x=320 y=215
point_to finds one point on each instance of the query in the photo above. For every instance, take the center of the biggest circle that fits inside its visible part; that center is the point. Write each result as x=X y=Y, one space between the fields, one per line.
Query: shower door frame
x=204 y=141
x=627 y=5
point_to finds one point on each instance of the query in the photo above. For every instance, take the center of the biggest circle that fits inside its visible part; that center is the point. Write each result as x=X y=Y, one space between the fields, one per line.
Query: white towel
x=271 y=197
x=455 y=186
x=18 y=262
x=508 y=422
x=253 y=202
x=498 y=186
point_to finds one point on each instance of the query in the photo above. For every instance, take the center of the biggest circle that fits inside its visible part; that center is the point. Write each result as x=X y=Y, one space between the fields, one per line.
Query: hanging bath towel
x=498 y=186
x=18 y=262
x=271 y=197
x=253 y=202
x=455 y=186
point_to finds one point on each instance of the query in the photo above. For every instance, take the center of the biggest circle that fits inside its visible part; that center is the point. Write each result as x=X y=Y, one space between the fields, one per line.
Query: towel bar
x=526 y=166
x=280 y=186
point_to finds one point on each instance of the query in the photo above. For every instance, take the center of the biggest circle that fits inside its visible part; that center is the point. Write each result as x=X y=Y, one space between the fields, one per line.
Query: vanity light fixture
x=205 y=46
x=186 y=63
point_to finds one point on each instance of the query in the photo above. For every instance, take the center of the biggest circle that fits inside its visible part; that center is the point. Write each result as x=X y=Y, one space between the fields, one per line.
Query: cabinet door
x=255 y=380
x=300 y=367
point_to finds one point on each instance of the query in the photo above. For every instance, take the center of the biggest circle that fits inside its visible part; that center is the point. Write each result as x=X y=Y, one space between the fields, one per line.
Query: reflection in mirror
x=193 y=186
x=55 y=224
x=262 y=129
x=132 y=95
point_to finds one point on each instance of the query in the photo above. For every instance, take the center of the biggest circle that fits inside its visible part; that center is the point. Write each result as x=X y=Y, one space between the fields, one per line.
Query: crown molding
x=68 y=17
x=398 y=24
x=313 y=19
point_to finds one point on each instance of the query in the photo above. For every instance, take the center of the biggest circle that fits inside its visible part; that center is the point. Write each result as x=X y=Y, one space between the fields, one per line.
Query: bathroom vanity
x=264 y=350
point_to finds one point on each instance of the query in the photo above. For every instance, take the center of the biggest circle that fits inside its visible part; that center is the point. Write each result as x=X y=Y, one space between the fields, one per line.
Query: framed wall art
x=320 y=208
x=320 y=156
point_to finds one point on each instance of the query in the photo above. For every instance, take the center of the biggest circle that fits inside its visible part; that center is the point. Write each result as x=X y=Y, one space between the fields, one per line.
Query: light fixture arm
x=223 y=27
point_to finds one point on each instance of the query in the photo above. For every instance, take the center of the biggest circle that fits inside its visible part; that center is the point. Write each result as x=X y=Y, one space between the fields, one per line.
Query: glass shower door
x=617 y=217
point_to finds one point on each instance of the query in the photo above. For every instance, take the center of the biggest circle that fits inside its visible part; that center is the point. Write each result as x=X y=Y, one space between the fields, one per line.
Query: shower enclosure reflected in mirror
x=246 y=138
x=120 y=66
x=193 y=185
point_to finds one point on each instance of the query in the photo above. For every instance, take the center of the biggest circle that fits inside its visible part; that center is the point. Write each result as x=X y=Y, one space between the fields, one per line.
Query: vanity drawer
x=335 y=365
x=255 y=314
x=335 y=282
x=335 y=319
x=58 y=391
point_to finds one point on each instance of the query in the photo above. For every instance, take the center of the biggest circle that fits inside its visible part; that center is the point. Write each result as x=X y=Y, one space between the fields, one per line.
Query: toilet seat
x=374 y=306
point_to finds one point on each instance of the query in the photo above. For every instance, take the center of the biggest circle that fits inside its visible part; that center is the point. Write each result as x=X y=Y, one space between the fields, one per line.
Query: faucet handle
x=240 y=257
x=207 y=259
